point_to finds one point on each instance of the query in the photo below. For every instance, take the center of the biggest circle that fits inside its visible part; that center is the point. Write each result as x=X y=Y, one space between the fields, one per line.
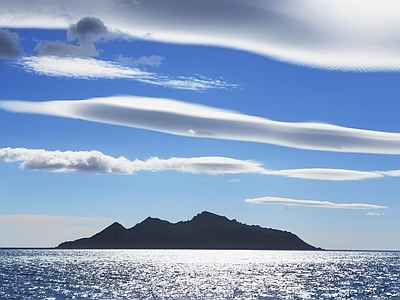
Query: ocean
x=198 y=274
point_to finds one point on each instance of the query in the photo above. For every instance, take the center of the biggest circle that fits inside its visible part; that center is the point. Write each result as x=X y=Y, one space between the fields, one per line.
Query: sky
x=283 y=114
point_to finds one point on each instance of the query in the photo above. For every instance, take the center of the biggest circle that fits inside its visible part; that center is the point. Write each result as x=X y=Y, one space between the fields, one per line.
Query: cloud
x=235 y=180
x=27 y=230
x=392 y=173
x=312 y=203
x=90 y=68
x=341 y=34
x=179 y=118
x=151 y=61
x=327 y=174
x=57 y=48
x=87 y=30
x=97 y=162
x=9 y=45
x=374 y=214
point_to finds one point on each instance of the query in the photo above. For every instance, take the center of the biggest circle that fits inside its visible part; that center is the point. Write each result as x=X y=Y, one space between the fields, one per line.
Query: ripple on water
x=198 y=274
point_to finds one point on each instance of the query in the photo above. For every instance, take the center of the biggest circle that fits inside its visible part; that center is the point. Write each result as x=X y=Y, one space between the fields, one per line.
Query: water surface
x=198 y=274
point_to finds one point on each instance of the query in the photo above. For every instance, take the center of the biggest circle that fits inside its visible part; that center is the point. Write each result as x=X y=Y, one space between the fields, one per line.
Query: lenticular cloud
x=99 y=163
x=340 y=34
x=179 y=118
x=312 y=203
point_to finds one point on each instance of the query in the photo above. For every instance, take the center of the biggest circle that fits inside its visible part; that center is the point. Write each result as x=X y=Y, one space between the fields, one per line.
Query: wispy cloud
x=90 y=68
x=340 y=34
x=61 y=59
x=27 y=230
x=235 y=180
x=9 y=45
x=97 y=162
x=312 y=203
x=375 y=214
x=143 y=61
x=192 y=120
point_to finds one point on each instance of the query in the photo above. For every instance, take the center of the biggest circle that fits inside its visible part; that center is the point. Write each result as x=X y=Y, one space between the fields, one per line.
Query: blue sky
x=276 y=113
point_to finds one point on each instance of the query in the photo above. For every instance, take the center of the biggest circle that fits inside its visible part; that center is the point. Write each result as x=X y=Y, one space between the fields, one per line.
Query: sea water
x=198 y=274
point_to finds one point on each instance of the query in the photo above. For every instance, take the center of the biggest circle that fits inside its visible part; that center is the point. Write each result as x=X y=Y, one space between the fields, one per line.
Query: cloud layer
x=192 y=120
x=341 y=34
x=89 y=68
x=99 y=163
x=312 y=203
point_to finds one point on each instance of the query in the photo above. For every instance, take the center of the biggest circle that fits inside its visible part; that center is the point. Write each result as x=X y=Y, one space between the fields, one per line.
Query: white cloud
x=75 y=67
x=90 y=68
x=97 y=162
x=340 y=34
x=192 y=120
x=143 y=61
x=312 y=203
x=327 y=174
x=9 y=45
x=392 y=173
x=46 y=231
x=374 y=214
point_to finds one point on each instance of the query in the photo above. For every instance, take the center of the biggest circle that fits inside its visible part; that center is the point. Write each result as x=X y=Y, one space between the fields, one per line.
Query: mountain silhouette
x=204 y=231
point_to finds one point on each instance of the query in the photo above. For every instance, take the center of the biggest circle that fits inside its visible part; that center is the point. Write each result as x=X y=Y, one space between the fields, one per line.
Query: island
x=204 y=231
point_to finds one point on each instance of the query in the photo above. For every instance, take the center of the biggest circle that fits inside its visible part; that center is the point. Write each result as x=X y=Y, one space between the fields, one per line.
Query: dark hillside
x=204 y=231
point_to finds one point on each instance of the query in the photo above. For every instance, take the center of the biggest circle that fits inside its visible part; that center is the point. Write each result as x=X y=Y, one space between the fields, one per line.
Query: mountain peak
x=205 y=215
x=116 y=225
x=114 y=228
x=210 y=219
